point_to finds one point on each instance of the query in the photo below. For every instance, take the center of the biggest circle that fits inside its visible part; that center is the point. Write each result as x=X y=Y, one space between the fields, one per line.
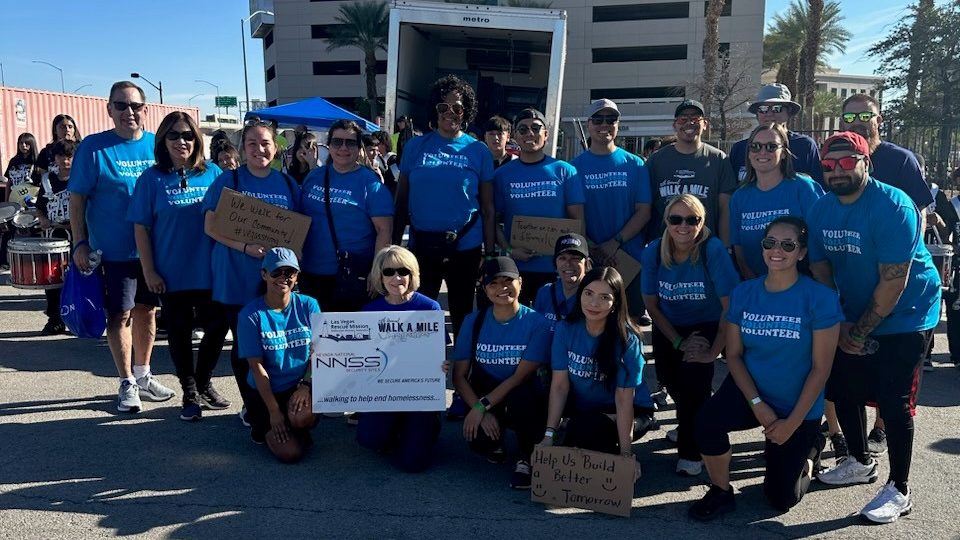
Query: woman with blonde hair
x=687 y=280
x=408 y=436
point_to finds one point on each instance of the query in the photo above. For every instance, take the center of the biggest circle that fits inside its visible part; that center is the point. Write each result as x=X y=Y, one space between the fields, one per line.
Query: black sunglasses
x=176 y=135
x=337 y=142
x=601 y=119
x=284 y=272
x=689 y=220
x=122 y=106
x=771 y=147
x=776 y=109
x=532 y=128
x=786 y=245
x=402 y=272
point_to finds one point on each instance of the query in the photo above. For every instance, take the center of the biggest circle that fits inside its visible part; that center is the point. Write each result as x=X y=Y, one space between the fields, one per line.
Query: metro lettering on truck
x=467 y=18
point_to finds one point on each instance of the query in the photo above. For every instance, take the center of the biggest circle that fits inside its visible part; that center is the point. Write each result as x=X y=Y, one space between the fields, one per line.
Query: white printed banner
x=378 y=361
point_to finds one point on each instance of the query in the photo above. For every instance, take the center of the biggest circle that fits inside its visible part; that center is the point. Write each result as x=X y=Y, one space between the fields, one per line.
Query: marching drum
x=942 y=255
x=38 y=263
x=26 y=220
x=8 y=211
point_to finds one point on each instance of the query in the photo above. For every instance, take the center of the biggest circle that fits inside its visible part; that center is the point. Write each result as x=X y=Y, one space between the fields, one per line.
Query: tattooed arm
x=893 y=280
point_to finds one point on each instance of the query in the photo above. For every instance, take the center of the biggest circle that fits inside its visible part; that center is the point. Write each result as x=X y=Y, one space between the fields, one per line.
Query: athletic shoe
x=258 y=438
x=849 y=472
x=686 y=467
x=53 y=328
x=672 y=435
x=877 y=442
x=839 y=444
x=928 y=364
x=497 y=456
x=211 y=399
x=888 y=505
x=713 y=505
x=243 y=418
x=152 y=390
x=458 y=408
x=191 y=411
x=521 y=476
x=128 y=399
x=197 y=335
x=661 y=398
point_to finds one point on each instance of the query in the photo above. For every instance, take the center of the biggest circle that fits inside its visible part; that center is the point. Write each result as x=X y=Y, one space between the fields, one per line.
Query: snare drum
x=8 y=211
x=26 y=219
x=38 y=263
x=942 y=255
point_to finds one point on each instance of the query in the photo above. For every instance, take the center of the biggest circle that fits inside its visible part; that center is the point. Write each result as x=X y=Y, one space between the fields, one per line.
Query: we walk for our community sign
x=378 y=361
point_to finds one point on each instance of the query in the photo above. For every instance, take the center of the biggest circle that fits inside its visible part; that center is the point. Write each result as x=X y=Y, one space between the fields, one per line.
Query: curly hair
x=452 y=83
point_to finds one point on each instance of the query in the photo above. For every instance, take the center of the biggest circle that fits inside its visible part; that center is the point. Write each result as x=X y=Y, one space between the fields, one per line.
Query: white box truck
x=513 y=58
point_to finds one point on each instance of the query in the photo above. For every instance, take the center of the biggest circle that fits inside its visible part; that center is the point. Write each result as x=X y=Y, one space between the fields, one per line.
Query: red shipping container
x=24 y=110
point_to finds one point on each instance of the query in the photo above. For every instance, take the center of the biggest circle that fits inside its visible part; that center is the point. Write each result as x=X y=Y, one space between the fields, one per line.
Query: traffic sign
x=225 y=101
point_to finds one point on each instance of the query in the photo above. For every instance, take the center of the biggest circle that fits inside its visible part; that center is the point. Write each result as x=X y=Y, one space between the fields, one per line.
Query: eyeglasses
x=532 y=128
x=848 y=163
x=689 y=220
x=689 y=119
x=121 y=106
x=769 y=147
x=337 y=142
x=284 y=272
x=457 y=108
x=786 y=245
x=764 y=109
x=601 y=119
x=187 y=136
x=389 y=272
x=864 y=116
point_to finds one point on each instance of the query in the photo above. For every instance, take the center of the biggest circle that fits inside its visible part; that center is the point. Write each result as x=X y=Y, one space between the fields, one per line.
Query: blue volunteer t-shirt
x=355 y=198
x=899 y=168
x=806 y=157
x=573 y=350
x=105 y=169
x=181 y=250
x=556 y=308
x=281 y=339
x=502 y=345
x=614 y=185
x=236 y=275
x=542 y=189
x=881 y=227
x=444 y=177
x=752 y=209
x=777 y=333
x=687 y=294
x=417 y=302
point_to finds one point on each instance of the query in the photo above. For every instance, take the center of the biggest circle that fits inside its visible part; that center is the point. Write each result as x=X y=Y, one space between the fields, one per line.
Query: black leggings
x=524 y=411
x=595 y=430
x=460 y=273
x=689 y=383
x=891 y=379
x=183 y=311
x=785 y=481
x=241 y=368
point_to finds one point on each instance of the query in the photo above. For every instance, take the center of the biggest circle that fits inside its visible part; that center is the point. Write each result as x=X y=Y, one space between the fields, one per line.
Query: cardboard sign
x=570 y=477
x=252 y=221
x=540 y=234
x=378 y=361
x=628 y=267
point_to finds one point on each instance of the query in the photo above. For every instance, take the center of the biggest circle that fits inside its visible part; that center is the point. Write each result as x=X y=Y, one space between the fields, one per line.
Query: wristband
x=755 y=401
x=677 y=341
x=245 y=248
x=479 y=407
x=619 y=238
x=855 y=337
x=550 y=433
x=80 y=243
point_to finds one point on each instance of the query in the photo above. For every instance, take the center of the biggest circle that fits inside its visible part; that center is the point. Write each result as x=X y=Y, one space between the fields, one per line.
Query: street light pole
x=159 y=88
x=190 y=99
x=62 y=89
x=215 y=87
x=81 y=88
x=243 y=46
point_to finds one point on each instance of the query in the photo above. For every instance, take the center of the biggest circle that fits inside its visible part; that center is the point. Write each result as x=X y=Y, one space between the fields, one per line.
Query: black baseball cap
x=498 y=267
x=688 y=104
x=529 y=113
x=571 y=242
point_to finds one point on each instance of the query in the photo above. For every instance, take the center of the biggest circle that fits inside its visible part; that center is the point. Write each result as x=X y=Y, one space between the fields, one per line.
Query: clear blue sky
x=178 y=41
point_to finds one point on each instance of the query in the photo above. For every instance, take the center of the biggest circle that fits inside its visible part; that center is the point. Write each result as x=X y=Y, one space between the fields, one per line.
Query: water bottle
x=870 y=346
x=95 y=257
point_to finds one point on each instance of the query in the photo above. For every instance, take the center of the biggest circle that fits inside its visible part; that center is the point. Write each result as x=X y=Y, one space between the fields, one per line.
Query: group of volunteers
x=803 y=266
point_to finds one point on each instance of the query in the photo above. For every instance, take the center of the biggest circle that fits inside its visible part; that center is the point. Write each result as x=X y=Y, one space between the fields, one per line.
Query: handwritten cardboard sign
x=570 y=477
x=252 y=221
x=540 y=234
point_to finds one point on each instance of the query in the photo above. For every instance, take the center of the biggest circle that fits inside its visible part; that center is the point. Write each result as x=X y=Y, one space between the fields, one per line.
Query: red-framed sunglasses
x=847 y=163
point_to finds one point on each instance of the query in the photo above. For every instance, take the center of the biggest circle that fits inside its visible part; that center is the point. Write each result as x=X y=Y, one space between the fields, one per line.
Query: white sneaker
x=850 y=471
x=672 y=435
x=152 y=390
x=686 y=467
x=128 y=398
x=197 y=335
x=888 y=505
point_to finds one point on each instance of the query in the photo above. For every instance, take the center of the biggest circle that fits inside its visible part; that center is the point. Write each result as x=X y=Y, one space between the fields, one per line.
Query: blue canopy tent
x=314 y=113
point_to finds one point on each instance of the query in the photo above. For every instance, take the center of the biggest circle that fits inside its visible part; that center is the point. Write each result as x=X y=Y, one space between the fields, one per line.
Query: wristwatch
x=485 y=403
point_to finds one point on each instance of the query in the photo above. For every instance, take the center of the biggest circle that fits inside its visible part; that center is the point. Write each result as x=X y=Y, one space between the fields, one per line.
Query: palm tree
x=806 y=84
x=711 y=52
x=364 y=26
x=825 y=105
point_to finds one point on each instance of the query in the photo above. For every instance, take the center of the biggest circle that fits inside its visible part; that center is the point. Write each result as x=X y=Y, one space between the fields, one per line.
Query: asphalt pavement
x=75 y=468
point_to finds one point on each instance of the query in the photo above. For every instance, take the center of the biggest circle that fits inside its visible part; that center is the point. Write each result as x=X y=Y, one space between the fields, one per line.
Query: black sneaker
x=53 y=329
x=191 y=411
x=713 y=505
x=839 y=444
x=521 y=476
x=212 y=399
x=644 y=320
x=877 y=442
x=258 y=438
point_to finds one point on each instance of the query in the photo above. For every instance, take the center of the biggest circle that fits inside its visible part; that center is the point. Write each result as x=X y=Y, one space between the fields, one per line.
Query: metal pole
x=160 y=83
x=246 y=84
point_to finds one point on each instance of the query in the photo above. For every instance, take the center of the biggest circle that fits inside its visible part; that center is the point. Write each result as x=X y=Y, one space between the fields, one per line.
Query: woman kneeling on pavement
x=497 y=354
x=781 y=338
x=274 y=337
x=597 y=367
x=408 y=436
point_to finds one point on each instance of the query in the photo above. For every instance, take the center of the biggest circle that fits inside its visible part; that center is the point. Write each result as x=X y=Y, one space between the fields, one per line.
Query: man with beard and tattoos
x=866 y=239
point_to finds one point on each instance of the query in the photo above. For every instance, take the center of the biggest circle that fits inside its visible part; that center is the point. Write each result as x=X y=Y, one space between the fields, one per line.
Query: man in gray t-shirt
x=692 y=166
